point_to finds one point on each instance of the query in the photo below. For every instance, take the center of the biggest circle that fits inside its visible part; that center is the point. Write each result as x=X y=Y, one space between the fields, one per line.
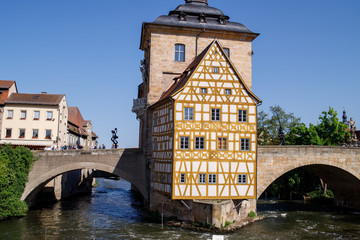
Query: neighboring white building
x=35 y=120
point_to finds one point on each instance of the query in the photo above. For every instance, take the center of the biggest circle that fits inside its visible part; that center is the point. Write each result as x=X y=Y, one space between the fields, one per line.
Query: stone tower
x=172 y=41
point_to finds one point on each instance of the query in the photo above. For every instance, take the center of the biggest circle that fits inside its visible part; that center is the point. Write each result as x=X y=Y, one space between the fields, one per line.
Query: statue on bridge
x=353 y=138
x=114 y=137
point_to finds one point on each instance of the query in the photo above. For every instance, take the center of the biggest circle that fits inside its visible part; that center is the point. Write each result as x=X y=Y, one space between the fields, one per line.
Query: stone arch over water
x=128 y=164
x=339 y=167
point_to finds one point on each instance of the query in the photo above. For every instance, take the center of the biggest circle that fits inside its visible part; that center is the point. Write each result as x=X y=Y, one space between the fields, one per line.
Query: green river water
x=111 y=212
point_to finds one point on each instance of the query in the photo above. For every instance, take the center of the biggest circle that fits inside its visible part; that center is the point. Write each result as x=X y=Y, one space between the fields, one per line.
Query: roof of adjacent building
x=181 y=81
x=197 y=14
x=78 y=122
x=6 y=84
x=35 y=99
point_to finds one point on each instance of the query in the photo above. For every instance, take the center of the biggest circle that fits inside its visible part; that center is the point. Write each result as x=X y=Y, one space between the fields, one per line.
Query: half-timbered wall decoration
x=205 y=132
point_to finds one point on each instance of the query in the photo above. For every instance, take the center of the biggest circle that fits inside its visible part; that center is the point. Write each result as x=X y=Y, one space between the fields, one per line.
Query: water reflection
x=112 y=212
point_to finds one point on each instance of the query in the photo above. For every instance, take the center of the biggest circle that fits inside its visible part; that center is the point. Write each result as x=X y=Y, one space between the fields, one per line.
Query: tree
x=268 y=127
x=330 y=131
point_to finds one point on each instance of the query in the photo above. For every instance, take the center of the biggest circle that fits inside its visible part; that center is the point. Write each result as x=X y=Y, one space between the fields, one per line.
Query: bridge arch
x=338 y=166
x=124 y=163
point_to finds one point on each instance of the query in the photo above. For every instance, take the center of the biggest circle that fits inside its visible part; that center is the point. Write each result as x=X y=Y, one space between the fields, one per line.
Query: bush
x=252 y=214
x=15 y=165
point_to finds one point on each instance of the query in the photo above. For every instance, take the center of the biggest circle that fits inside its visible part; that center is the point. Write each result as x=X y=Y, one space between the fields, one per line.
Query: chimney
x=43 y=92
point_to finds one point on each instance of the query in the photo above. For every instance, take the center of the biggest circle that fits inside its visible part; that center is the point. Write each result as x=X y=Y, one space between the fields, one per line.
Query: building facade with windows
x=37 y=121
x=6 y=89
x=204 y=142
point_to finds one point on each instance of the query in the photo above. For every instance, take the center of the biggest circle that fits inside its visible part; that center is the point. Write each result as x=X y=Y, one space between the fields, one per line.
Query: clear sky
x=305 y=60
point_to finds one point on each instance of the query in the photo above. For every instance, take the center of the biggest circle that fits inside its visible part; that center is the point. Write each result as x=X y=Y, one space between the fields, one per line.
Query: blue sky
x=306 y=57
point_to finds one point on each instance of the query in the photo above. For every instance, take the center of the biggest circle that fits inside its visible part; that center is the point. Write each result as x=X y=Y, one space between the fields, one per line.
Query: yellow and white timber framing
x=202 y=148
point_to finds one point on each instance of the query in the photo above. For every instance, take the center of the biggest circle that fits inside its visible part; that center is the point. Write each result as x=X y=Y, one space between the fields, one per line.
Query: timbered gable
x=214 y=131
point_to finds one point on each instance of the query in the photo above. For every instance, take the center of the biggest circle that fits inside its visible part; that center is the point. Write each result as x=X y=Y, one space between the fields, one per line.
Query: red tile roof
x=6 y=84
x=35 y=99
x=76 y=119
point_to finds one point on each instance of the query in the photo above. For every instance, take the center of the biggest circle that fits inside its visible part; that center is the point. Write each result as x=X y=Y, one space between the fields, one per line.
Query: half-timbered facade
x=204 y=132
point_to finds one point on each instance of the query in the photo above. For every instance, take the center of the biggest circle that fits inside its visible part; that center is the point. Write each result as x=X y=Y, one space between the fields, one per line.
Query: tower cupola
x=197 y=1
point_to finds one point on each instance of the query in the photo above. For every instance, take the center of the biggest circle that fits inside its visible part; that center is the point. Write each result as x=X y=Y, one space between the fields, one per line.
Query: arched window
x=180 y=52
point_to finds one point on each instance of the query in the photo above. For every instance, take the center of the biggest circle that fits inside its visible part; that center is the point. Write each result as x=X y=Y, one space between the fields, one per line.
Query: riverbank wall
x=212 y=212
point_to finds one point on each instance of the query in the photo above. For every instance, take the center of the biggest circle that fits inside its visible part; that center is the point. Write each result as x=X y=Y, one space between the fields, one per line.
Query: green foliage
x=15 y=165
x=330 y=131
x=320 y=194
x=296 y=183
x=268 y=127
x=252 y=214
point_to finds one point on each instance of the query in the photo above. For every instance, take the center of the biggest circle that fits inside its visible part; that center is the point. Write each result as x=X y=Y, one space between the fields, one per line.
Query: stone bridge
x=128 y=164
x=339 y=167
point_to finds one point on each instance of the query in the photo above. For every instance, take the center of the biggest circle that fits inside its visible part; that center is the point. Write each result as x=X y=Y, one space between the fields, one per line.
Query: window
x=245 y=144
x=180 y=52
x=10 y=114
x=36 y=115
x=188 y=114
x=227 y=91
x=49 y=115
x=155 y=119
x=227 y=51
x=35 y=133
x=212 y=178
x=48 y=134
x=203 y=90
x=182 y=178
x=215 y=114
x=242 y=178
x=23 y=115
x=215 y=70
x=222 y=143
x=8 y=133
x=22 y=133
x=200 y=143
x=242 y=115
x=155 y=145
x=202 y=178
x=184 y=142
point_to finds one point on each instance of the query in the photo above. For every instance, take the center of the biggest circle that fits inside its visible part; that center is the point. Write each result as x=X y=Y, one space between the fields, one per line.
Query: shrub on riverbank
x=15 y=165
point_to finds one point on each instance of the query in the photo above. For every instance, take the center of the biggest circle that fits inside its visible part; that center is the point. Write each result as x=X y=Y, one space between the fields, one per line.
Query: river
x=111 y=212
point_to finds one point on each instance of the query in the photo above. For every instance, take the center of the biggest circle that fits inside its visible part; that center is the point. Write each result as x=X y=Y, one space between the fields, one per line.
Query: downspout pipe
x=197 y=39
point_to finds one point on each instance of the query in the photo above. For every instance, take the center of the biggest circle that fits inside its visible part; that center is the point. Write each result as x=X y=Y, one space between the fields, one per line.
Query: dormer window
x=202 y=18
x=182 y=16
x=222 y=20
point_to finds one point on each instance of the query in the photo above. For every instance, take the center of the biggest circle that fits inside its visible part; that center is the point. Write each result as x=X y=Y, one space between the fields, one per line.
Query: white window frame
x=184 y=143
x=38 y=115
x=6 y=133
x=242 y=179
x=212 y=179
x=245 y=144
x=10 y=114
x=37 y=135
x=215 y=69
x=49 y=115
x=202 y=178
x=23 y=114
x=180 y=52
x=199 y=143
x=182 y=178
x=20 y=130
x=215 y=114
x=46 y=133
x=242 y=116
x=188 y=114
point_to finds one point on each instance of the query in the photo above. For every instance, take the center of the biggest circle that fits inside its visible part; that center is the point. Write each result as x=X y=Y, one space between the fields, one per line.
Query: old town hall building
x=196 y=109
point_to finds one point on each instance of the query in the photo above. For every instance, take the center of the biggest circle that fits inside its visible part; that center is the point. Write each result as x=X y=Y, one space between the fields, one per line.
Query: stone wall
x=339 y=167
